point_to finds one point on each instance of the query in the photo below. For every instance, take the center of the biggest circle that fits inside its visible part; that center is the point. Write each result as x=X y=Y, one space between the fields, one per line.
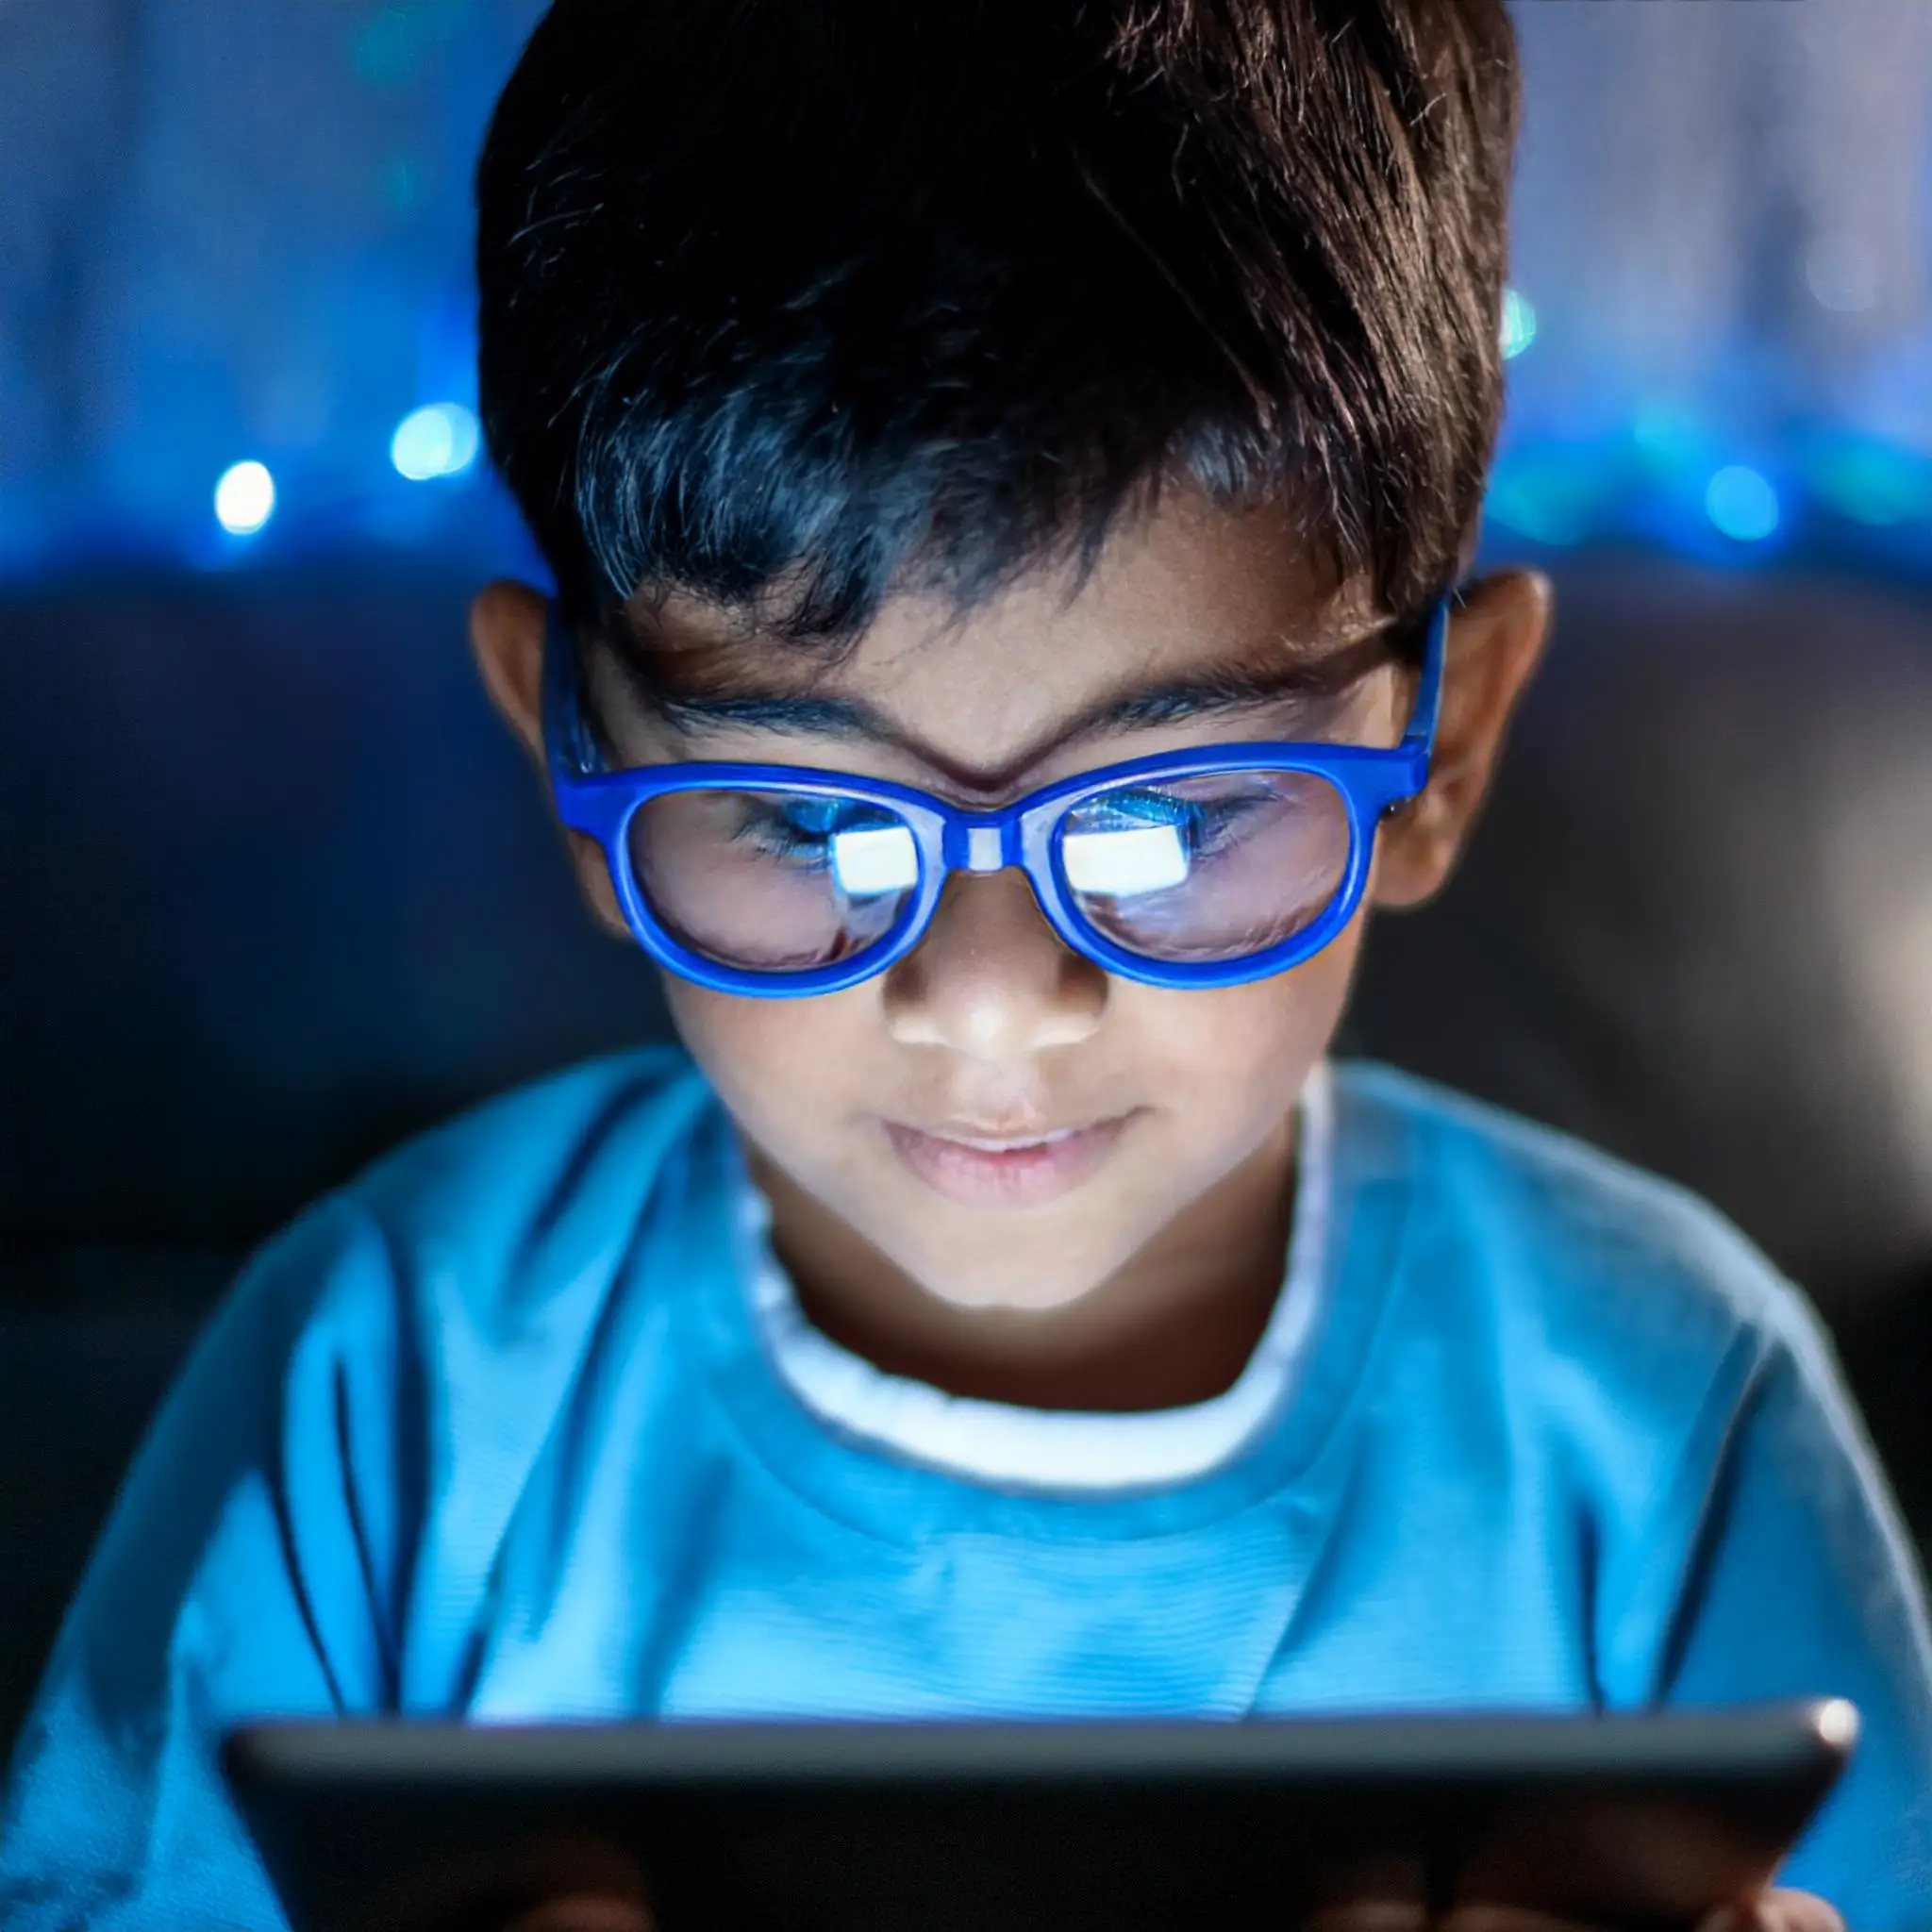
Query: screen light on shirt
x=881 y=859
x=1139 y=858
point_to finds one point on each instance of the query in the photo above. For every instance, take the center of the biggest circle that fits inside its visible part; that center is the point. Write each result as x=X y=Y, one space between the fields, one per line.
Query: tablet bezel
x=1726 y=1792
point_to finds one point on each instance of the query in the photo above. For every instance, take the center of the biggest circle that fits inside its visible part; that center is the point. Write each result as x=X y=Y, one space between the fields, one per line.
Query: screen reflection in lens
x=770 y=880
x=1212 y=868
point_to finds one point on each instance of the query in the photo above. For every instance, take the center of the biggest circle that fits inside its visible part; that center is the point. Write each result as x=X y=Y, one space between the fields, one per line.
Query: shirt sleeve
x=241 y=1575
x=1800 y=1583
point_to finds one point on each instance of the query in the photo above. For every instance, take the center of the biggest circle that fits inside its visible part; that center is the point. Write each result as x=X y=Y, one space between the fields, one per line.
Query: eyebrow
x=1232 y=690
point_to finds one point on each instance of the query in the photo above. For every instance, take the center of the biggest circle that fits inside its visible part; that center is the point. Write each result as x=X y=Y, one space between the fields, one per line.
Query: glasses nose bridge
x=982 y=841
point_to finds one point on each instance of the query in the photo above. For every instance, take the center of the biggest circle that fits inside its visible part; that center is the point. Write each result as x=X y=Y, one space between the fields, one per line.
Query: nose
x=990 y=979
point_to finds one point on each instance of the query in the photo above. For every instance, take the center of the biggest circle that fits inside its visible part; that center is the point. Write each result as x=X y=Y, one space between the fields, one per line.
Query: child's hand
x=1775 y=1912
x=568 y=1883
x=590 y=1912
x=1771 y=1911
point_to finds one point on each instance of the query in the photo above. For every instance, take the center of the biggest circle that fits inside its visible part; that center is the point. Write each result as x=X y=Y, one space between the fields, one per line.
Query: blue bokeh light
x=244 y=498
x=1642 y=368
x=440 y=439
x=1549 y=496
x=1878 y=485
x=1741 y=503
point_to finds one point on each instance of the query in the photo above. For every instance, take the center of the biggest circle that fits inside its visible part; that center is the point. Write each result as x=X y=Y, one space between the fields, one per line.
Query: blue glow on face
x=1741 y=503
x=440 y=440
x=244 y=499
x=1519 y=324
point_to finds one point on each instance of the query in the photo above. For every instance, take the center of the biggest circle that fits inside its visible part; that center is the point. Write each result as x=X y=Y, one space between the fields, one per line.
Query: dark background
x=275 y=891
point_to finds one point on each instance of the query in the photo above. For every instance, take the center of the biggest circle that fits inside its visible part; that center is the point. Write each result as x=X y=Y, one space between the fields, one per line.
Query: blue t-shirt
x=492 y=1433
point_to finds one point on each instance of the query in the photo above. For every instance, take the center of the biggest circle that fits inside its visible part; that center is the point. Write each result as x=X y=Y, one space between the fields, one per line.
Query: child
x=1004 y=465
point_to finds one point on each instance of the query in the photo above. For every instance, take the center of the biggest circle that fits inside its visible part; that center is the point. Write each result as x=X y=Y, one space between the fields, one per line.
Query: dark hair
x=793 y=303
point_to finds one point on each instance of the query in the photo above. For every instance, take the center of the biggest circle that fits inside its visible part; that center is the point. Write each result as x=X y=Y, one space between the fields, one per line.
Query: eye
x=1141 y=840
x=1204 y=822
x=1220 y=823
x=796 y=829
x=811 y=833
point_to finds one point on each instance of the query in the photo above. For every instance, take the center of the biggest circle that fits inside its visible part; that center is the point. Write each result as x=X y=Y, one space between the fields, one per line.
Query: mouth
x=980 y=1170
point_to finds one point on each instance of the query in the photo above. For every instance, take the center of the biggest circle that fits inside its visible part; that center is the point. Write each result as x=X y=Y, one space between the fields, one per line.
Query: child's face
x=999 y=1122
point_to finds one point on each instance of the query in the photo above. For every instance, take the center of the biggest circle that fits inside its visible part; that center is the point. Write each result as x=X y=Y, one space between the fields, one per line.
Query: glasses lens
x=1219 y=867
x=774 y=881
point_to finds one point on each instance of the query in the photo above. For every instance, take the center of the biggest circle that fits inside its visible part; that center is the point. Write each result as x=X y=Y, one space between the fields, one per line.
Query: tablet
x=1635 y=1820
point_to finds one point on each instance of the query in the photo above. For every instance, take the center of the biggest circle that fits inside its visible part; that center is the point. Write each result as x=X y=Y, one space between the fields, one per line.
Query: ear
x=1495 y=639
x=508 y=624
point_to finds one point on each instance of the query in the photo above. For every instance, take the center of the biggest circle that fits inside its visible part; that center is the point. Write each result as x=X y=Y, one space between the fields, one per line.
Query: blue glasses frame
x=599 y=801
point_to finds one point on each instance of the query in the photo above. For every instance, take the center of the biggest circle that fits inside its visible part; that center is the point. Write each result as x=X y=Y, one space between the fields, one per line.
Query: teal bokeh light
x=440 y=439
x=1519 y=324
x=1741 y=503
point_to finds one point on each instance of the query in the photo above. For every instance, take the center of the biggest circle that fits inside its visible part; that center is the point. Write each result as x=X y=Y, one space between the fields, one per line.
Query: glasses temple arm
x=568 y=746
x=1421 y=735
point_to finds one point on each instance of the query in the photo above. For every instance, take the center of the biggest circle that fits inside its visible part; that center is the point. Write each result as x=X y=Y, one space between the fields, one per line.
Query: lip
x=1004 y=1171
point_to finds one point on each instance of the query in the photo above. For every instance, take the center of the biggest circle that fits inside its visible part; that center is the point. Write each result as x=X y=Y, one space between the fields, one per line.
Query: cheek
x=778 y=1065
x=1243 y=1047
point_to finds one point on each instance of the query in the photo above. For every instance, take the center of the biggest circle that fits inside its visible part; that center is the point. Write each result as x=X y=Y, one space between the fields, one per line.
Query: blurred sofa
x=277 y=892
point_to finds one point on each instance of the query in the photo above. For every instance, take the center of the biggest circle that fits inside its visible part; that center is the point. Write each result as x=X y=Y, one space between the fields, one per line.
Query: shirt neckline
x=1294 y=1462
x=1079 y=1453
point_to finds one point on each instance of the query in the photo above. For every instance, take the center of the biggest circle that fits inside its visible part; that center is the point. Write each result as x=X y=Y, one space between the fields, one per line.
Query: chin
x=1035 y=1299
x=1017 y=1284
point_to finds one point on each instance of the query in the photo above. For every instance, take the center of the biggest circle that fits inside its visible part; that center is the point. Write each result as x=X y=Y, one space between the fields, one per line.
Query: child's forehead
x=1184 y=593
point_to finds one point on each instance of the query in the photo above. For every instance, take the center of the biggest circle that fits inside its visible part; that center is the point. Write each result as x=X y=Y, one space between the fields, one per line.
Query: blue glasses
x=1201 y=868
